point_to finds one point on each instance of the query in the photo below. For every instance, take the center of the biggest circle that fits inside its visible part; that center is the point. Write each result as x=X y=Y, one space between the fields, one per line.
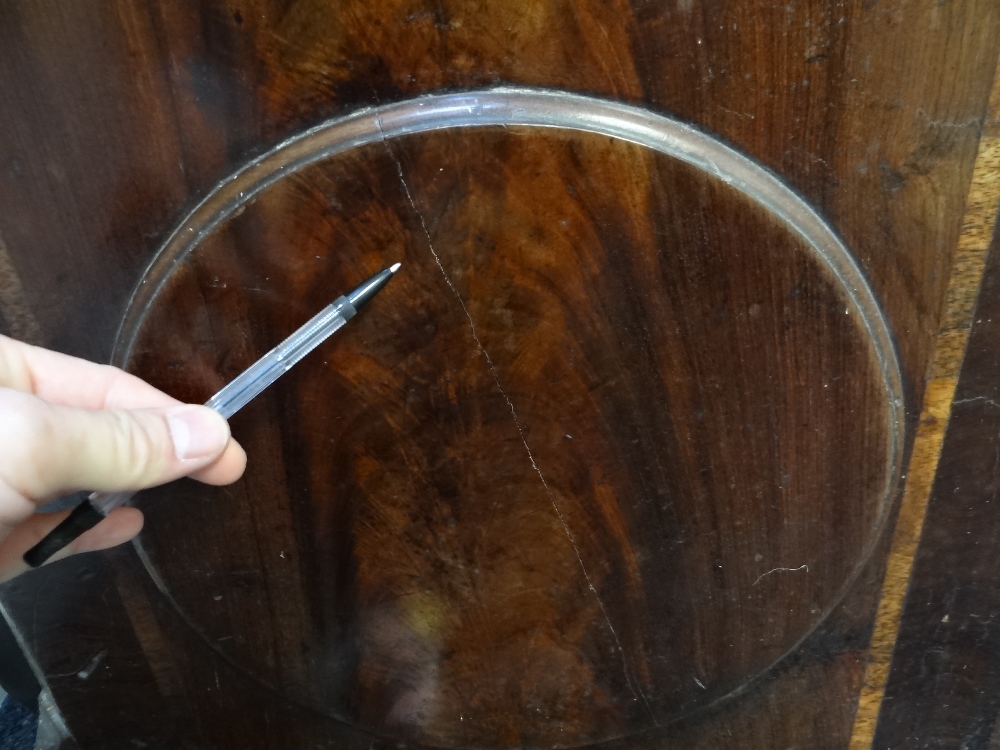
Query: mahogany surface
x=942 y=687
x=577 y=519
x=665 y=477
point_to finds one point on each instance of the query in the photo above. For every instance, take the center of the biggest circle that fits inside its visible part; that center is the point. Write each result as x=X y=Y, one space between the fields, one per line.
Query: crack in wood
x=636 y=691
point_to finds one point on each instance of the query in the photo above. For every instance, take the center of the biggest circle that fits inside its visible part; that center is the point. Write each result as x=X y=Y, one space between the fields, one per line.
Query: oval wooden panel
x=613 y=442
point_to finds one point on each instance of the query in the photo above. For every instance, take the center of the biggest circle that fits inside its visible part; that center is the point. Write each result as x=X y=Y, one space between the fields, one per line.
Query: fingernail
x=196 y=432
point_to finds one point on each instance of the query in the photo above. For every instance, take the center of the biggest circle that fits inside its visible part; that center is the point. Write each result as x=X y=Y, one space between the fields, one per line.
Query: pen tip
x=394 y=267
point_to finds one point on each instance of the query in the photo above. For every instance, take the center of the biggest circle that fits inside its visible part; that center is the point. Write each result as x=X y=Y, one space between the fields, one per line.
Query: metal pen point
x=361 y=296
x=226 y=402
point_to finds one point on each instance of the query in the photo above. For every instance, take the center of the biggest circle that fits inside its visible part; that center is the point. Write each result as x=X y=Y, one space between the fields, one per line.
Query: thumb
x=52 y=450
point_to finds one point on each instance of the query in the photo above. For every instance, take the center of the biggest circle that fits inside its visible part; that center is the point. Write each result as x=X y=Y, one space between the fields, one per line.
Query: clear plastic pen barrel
x=257 y=377
x=226 y=402
x=283 y=357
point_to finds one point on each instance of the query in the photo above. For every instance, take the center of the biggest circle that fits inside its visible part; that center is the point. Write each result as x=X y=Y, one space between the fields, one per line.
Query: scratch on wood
x=84 y=674
x=985 y=399
x=978 y=223
x=636 y=691
x=775 y=570
x=625 y=79
x=741 y=115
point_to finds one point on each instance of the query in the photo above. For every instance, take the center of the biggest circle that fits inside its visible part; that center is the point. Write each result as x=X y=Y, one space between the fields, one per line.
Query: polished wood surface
x=961 y=299
x=942 y=686
x=656 y=485
x=550 y=491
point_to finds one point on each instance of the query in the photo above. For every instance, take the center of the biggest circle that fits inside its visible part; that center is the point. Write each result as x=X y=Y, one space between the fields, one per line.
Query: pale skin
x=68 y=425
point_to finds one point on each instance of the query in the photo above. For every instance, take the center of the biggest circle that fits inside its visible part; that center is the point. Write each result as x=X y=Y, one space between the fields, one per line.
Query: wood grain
x=120 y=116
x=978 y=227
x=514 y=497
x=940 y=689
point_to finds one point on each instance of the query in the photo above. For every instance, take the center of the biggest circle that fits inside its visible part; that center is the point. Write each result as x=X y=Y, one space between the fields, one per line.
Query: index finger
x=70 y=381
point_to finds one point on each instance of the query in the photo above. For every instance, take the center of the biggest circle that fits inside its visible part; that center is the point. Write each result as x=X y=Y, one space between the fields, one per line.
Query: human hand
x=68 y=425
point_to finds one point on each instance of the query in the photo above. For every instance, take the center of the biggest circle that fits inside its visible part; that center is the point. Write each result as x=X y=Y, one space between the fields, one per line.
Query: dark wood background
x=393 y=567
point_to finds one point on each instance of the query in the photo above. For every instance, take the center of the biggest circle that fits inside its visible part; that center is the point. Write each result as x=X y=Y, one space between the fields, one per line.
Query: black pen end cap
x=83 y=518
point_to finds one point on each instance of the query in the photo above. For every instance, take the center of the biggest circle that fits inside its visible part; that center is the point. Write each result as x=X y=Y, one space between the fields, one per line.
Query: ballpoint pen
x=226 y=402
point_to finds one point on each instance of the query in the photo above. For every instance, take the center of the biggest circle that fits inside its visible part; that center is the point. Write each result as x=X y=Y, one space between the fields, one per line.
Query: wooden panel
x=942 y=687
x=668 y=324
x=956 y=320
x=559 y=484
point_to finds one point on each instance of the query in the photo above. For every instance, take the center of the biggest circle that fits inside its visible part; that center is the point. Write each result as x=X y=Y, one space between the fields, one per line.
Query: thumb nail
x=196 y=432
